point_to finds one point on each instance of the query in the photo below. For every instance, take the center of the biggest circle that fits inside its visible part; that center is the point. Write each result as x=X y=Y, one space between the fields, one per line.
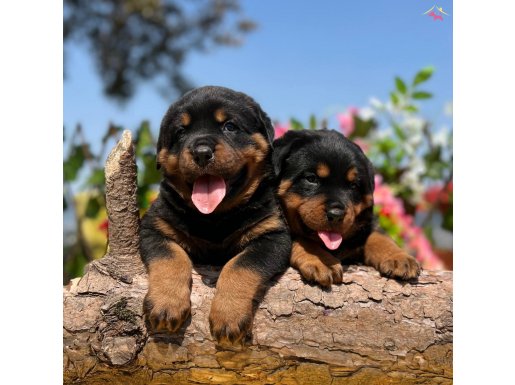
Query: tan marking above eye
x=185 y=119
x=284 y=186
x=220 y=115
x=323 y=170
x=352 y=174
x=261 y=142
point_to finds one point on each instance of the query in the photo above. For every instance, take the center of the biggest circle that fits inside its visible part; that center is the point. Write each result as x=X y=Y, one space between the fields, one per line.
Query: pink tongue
x=208 y=192
x=331 y=240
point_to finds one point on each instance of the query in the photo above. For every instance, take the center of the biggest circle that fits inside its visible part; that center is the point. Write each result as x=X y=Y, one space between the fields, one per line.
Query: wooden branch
x=369 y=330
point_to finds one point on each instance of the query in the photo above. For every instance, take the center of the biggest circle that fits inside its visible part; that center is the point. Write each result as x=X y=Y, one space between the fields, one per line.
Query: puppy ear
x=266 y=125
x=283 y=147
x=159 y=147
x=371 y=175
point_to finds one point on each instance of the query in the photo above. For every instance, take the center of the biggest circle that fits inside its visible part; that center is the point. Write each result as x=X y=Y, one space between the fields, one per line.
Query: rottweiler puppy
x=325 y=185
x=216 y=206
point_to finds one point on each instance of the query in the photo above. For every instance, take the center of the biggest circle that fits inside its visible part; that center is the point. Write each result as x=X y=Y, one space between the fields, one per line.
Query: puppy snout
x=202 y=154
x=335 y=214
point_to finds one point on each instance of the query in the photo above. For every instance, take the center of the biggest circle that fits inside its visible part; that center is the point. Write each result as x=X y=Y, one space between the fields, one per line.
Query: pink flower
x=362 y=144
x=280 y=129
x=414 y=237
x=347 y=120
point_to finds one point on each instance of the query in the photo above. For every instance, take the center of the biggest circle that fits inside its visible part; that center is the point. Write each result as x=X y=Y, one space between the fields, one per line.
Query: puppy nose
x=335 y=214
x=202 y=154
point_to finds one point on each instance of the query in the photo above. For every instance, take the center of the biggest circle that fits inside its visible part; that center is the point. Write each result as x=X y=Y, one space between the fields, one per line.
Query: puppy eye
x=230 y=127
x=311 y=178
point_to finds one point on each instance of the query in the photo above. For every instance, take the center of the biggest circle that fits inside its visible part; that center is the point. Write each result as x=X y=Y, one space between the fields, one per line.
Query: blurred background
x=378 y=71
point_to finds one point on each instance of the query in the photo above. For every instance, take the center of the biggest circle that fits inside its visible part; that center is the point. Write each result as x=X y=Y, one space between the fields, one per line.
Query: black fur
x=217 y=237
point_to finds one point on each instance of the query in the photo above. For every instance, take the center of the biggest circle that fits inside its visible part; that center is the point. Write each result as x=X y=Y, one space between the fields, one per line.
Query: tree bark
x=369 y=330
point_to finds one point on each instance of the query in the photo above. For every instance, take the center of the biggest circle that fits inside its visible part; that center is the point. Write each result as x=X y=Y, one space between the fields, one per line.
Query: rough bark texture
x=369 y=330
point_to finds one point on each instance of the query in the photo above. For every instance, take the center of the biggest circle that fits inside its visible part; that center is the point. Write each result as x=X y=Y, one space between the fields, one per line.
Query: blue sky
x=305 y=57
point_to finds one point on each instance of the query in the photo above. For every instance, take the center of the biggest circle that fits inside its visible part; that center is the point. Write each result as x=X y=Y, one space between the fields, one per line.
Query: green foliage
x=401 y=86
x=81 y=161
x=362 y=128
x=296 y=124
x=421 y=95
x=423 y=75
x=74 y=163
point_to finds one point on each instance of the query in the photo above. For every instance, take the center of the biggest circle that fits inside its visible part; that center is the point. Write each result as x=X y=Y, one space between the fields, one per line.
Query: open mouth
x=208 y=191
x=332 y=240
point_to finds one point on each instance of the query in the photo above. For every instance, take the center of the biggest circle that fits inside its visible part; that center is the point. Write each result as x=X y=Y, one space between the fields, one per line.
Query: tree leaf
x=93 y=207
x=312 y=122
x=144 y=138
x=394 y=98
x=74 y=163
x=97 y=178
x=422 y=95
x=112 y=131
x=399 y=132
x=295 y=124
x=423 y=75
x=410 y=108
x=362 y=127
x=401 y=86
x=150 y=174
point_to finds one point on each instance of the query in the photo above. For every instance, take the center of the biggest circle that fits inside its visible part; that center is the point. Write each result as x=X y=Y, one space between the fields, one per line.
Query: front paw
x=167 y=312
x=230 y=320
x=315 y=270
x=400 y=265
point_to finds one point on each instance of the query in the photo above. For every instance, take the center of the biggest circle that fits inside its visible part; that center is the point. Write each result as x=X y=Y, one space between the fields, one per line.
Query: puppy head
x=214 y=148
x=326 y=185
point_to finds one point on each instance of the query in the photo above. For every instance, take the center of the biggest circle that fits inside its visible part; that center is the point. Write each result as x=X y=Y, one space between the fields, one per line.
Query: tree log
x=369 y=330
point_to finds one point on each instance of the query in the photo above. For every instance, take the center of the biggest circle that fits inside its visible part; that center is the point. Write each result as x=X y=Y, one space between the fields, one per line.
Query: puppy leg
x=167 y=303
x=241 y=284
x=316 y=264
x=382 y=252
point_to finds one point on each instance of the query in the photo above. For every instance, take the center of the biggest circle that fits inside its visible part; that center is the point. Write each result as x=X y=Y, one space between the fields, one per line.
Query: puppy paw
x=167 y=312
x=400 y=265
x=230 y=320
x=315 y=270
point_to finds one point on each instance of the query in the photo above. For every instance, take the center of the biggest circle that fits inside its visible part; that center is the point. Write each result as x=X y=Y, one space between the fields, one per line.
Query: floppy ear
x=161 y=141
x=371 y=174
x=266 y=125
x=159 y=147
x=283 y=148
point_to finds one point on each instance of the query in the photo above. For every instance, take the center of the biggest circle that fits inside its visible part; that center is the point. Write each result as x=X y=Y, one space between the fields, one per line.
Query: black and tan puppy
x=216 y=206
x=326 y=185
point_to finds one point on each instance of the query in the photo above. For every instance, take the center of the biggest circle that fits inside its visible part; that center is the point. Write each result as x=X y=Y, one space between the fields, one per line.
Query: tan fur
x=168 y=161
x=220 y=115
x=284 y=186
x=352 y=174
x=266 y=225
x=185 y=119
x=291 y=203
x=169 y=289
x=323 y=170
x=236 y=289
x=315 y=264
x=253 y=157
x=388 y=258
